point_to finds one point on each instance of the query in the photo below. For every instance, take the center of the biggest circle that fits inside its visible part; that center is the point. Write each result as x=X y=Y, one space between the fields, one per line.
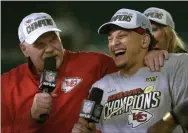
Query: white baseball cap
x=160 y=16
x=128 y=19
x=34 y=25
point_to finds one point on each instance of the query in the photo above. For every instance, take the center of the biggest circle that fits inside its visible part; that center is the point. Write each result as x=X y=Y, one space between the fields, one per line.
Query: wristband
x=170 y=118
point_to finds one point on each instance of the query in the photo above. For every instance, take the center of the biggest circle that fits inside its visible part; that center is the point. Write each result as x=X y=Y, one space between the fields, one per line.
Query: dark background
x=78 y=20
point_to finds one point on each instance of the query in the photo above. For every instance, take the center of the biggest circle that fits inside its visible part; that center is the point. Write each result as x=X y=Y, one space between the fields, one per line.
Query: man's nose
x=49 y=48
x=115 y=42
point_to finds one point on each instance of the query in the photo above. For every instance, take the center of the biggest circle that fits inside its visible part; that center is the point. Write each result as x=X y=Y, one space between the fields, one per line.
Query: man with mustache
x=23 y=102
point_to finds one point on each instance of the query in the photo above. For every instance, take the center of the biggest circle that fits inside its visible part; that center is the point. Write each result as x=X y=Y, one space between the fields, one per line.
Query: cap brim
x=105 y=28
x=157 y=21
x=36 y=34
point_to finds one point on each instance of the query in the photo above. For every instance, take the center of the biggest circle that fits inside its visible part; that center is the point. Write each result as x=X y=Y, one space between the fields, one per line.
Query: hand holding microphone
x=90 y=113
x=83 y=126
x=42 y=102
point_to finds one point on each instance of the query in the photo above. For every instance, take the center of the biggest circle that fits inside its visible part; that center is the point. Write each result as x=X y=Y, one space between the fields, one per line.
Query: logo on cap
x=158 y=15
x=27 y=22
x=38 y=24
x=122 y=17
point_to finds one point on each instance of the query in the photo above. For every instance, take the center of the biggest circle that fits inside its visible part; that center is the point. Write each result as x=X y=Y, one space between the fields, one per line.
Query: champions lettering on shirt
x=137 y=99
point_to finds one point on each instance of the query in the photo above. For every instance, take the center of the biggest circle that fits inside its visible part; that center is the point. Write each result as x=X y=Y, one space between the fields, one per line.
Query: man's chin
x=121 y=66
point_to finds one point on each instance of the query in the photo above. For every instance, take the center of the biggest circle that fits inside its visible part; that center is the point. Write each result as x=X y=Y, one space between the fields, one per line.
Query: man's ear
x=23 y=47
x=146 y=41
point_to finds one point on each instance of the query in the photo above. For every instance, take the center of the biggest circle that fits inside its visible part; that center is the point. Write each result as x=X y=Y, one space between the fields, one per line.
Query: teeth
x=119 y=51
x=49 y=55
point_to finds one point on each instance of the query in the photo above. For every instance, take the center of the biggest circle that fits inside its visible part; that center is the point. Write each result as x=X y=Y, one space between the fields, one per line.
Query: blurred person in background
x=22 y=102
x=163 y=28
x=177 y=116
x=134 y=97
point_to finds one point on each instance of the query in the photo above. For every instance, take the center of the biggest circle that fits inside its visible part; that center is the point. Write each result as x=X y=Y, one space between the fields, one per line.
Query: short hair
x=153 y=41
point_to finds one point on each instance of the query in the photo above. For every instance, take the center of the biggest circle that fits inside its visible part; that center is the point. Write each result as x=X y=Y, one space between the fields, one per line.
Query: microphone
x=91 y=109
x=48 y=80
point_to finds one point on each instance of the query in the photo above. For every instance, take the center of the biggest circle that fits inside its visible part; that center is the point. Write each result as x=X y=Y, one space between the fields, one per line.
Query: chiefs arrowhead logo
x=69 y=83
x=27 y=22
x=138 y=117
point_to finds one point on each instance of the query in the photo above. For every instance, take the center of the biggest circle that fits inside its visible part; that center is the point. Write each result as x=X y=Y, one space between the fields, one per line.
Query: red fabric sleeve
x=10 y=123
x=98 y=131
x=6 y=119
x=107 y=65
x=26 y=124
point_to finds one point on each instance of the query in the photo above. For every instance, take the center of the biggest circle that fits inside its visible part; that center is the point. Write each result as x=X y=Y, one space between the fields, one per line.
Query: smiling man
x=22 y=101
x=134 y=97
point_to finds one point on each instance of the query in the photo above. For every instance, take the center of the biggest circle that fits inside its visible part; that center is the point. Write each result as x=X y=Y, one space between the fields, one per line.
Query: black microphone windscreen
x=50 y=63
x=96 y=95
